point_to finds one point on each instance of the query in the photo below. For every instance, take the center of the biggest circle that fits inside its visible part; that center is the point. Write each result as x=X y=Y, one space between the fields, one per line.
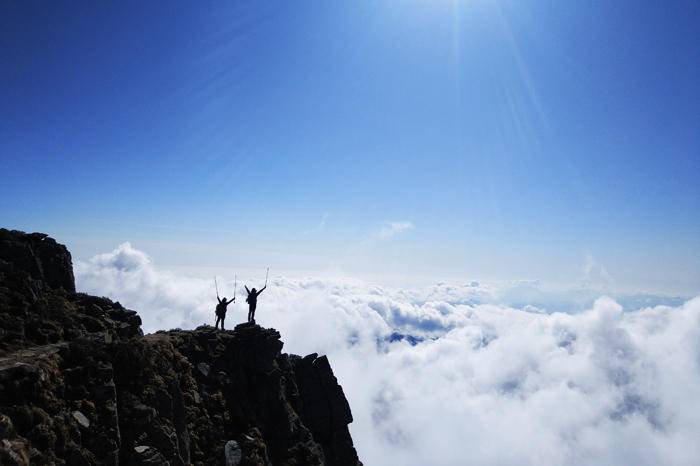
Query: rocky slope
x=81 y=385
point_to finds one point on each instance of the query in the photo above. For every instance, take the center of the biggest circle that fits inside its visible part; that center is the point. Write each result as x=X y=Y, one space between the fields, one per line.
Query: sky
x=475 y=139
x=485 y=213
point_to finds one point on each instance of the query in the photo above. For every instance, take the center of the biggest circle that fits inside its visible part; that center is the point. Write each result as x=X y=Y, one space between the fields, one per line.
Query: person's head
x=253 y=290
x=224 y=298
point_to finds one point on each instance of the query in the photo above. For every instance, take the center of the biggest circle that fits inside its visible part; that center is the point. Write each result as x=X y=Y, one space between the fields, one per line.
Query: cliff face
x=81 y=385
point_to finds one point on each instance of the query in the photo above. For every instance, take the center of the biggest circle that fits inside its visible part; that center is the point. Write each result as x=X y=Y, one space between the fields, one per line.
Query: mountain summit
x=81 y=385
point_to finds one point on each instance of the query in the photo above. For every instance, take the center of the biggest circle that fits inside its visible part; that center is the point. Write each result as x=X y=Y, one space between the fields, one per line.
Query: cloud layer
x=492 y=377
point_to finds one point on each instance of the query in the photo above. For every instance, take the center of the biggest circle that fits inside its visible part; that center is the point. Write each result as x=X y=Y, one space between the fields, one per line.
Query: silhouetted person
x=252 y=301
x=221 y=311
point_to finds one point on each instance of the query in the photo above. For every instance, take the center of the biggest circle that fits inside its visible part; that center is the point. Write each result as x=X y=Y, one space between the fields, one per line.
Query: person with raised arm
x=252 y=301
x=221 y=307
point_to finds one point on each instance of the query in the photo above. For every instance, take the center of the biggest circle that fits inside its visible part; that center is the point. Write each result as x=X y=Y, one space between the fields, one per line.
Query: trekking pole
x=217 y=287
x=234 y=286
x=266 y=274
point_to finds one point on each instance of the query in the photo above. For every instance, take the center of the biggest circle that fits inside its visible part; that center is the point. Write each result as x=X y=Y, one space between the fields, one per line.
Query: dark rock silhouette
x=40 y=256
x=81 y=385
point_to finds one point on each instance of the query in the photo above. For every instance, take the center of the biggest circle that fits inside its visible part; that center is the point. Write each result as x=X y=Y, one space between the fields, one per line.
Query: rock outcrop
x=40 y=256
x=81 y=385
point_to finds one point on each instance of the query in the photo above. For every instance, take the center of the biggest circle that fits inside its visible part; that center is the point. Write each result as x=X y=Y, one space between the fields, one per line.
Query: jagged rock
x=6 y=428
x=146 y=455
x=232 y=453
x=324 y=408
x=35 y=314
x=81 y=419
x=40 y=256
x=254 y=450
x=81 y=385
x=203 y=368
x=14 y=453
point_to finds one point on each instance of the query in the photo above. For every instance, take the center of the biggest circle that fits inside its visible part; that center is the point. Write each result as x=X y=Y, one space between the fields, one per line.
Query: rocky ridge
x=81 y=385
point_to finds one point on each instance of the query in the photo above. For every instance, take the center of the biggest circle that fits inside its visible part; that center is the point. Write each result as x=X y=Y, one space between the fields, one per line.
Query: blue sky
x=482 y=139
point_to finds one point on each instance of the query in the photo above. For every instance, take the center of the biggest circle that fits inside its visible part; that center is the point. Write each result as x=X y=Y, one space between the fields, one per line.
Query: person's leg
x=218 y=318
x=252 y=313
x=222 y=322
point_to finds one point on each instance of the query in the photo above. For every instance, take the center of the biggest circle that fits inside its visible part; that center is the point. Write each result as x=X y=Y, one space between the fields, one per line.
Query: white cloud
x=390 y=229
x=492 y=382
x=163 y=300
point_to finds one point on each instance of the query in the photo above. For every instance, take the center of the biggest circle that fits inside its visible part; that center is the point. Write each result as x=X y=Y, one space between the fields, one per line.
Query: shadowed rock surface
x=81 y=385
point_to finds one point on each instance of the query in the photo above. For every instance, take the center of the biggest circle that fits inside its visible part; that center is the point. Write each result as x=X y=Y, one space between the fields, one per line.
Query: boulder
x=81 y=419
x=232 y=453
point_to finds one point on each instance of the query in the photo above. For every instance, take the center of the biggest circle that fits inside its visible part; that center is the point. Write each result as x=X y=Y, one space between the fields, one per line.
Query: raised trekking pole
x=217 y=287
x=234 y=286
x=266 y=274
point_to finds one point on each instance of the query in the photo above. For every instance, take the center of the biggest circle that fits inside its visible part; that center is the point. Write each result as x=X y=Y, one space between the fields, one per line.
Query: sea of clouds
x=467 y=373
